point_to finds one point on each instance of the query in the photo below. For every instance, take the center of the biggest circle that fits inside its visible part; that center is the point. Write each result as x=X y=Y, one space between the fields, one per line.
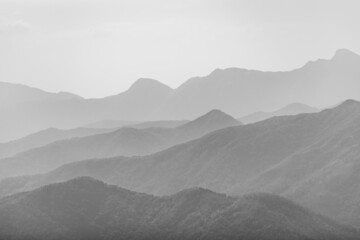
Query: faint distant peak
x=215 y=116
x=343 y=56
x=298 y=107
x=18 y=89
x=350 y=103
x=215 y=112
x=148 y=84
x=344 y=53
x=348 y=108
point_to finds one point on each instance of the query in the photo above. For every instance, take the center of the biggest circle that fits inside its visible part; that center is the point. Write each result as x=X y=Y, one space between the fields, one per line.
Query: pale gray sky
x=99 y=48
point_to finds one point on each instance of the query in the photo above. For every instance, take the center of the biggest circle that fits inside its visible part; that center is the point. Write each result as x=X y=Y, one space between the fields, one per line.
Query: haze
x=99 y=48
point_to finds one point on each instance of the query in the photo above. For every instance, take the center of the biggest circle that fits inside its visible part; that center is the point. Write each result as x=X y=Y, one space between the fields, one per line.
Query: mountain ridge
x=87 y=208
x=126 y=141
x=251 y=90
x=303 y=157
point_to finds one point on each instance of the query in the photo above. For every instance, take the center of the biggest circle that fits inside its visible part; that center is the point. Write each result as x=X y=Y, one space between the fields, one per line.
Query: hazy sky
x=99 y=48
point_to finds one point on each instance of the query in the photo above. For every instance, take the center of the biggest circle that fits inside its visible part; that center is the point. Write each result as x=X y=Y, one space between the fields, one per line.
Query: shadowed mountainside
x=45 y=137
x=85 y=208
x=51 y=135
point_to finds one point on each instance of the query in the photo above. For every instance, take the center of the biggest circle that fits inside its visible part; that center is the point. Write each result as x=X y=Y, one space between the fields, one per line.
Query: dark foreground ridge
x=85 y=208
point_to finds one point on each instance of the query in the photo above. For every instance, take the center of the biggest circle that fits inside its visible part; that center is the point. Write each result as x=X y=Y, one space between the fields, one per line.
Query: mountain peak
x=216 y=115
x=214 y=119
x=344 y=53
x=347 y=109
x=350 y=103
x=296 y=108
x=148 y=84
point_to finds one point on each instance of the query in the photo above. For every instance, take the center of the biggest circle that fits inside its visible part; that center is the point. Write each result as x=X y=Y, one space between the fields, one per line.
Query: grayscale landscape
x=179 y=120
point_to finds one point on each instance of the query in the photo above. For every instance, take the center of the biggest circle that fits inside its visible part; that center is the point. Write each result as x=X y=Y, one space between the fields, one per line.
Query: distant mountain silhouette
x=236 y=91
x=17 y=105
x=137 y=125
x=17 y=93
x=253 y=90
x=45 y=137
x=215 y=119
x=51 y=135
x=124 y=141
x=311 y=158
x=143 y=97
x=85 y=208
x=291 y=109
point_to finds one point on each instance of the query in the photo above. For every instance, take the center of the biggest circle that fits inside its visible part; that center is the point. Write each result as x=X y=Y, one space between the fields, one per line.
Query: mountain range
x=142 y=164
x=45 y=137
x=86 y=208
x=291 y=109
x=50 y=135
x=126 y=141
x=139 y=125
x=311 y=158
x=246 y=91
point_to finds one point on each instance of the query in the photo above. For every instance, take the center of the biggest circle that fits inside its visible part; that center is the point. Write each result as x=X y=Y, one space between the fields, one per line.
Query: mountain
x=241 y=92
x=312 y=158
x=17 y=93
x=159 y=124
x=45 y=137
x=17 y=103
x=323 y=175
x=125 y=142
x=141 y=99
x=214 y=120
x=86 y=208
x=236 y=91
x=291 y=109
x=138 y=125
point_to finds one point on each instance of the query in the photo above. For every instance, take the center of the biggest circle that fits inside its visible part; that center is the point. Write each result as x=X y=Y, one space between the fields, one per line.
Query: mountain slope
x=217 y=161
x=125 y=142
x=137 y=103
x=312 y=158
x=159 y=124
x=43 y=138
x=17 y=93
x=291 y=109
x=324 y=175
x=139 y=125
x=17 y=104
x=85 y=208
